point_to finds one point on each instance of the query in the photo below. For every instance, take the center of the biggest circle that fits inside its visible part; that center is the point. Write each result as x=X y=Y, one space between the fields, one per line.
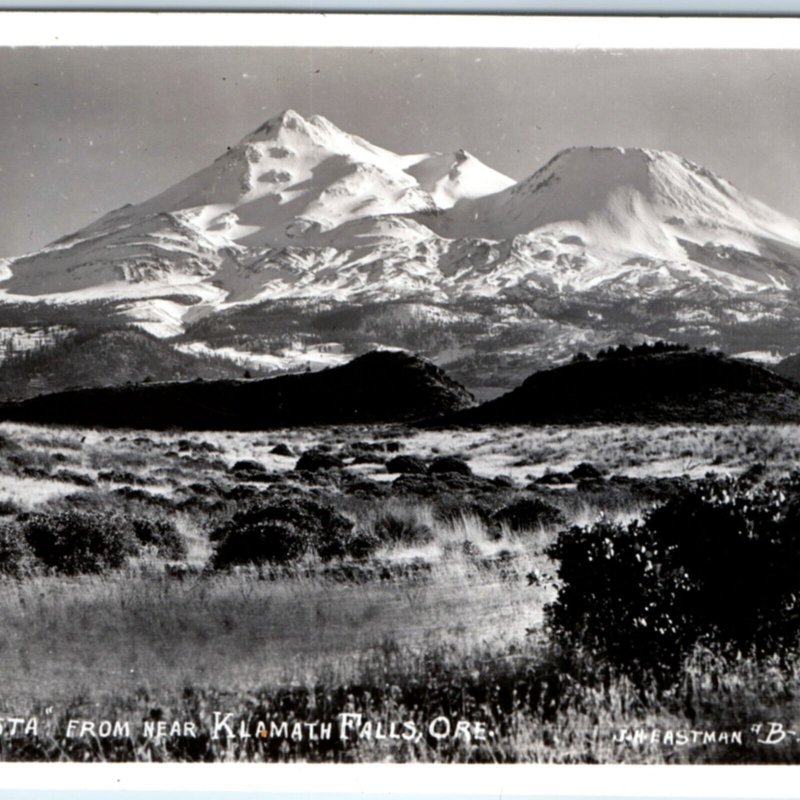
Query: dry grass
x=121 y=644
x=115 y=634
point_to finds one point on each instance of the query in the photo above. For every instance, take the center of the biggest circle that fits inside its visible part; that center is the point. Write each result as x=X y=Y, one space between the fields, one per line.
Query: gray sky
x=84 y=130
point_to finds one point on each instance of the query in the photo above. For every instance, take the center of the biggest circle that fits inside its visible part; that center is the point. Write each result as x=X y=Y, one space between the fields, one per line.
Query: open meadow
x=429 y=605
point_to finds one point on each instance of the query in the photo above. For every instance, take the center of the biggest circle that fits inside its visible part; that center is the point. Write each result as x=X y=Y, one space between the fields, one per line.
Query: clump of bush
x=248 y=465
x=9 y=508
x=719 y=567
x=585 y=472
x=77 y=542
x=406 y=464
x=161 y=534
x=446 y=464
x=284 y=530
x=351 y=542
x=314 y=460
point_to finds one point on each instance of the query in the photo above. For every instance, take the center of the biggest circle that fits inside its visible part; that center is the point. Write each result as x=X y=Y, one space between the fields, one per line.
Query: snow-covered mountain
x=641 y=220
x=301 y=211
x=263 y=218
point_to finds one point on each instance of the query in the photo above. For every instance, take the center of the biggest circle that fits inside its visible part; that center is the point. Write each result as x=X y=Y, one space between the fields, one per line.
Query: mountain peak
x=642 y=157
x=586 y=182
x=288 y=118
x=581 y=157
x=291 y=120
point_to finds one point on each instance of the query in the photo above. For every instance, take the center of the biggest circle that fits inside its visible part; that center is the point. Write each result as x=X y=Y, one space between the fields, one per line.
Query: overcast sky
x=83 y=131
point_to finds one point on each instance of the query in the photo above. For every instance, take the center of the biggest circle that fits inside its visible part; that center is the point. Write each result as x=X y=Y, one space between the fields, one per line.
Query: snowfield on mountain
x=299 y=209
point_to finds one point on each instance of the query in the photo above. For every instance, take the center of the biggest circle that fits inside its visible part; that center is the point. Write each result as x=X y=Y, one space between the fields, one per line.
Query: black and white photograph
x=408 y=404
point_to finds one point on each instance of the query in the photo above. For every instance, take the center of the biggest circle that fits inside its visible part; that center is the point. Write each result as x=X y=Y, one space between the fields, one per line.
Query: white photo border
x=369 y=781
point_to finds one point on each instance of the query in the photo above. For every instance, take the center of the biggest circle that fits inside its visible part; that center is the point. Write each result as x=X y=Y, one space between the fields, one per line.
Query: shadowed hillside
x=644 y=387
x=105 y=358
x=381 y=386
x=789 y=366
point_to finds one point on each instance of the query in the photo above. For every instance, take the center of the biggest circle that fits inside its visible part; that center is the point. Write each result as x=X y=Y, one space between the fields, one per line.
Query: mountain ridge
x=651 y=387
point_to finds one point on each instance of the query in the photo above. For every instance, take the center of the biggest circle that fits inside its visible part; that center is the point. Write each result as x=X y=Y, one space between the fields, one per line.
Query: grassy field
x=452 y=627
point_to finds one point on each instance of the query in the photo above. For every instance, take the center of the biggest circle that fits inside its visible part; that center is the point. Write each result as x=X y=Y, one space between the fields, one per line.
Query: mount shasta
x=304 y=244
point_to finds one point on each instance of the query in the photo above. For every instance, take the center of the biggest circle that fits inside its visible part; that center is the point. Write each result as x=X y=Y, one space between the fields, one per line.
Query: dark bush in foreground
x=719 y=567
x=76 y=542
x=16 y=557
x=528 y=513
x=283 y=531
x=161 y=534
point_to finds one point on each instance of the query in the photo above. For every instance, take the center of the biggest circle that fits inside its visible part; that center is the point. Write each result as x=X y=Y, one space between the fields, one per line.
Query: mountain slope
x=381 y=386
x=671 y=387
x=789 y=367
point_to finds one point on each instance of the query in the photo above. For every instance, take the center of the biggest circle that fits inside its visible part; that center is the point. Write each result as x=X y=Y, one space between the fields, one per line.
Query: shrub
x=16 y=557
x=248 y=465
x=719 y=566
x=450 y=508
x=282 y=531
x=121 y=476
x=346 y=542
x=449 y=464
x=9 y=508
x=315 y=460
x=406 y=464
x=528 y=513
x=585 y=472
x=554 y=478
x=161 y=534
x=76 y=542
x=70 y=476
x=396 y=529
